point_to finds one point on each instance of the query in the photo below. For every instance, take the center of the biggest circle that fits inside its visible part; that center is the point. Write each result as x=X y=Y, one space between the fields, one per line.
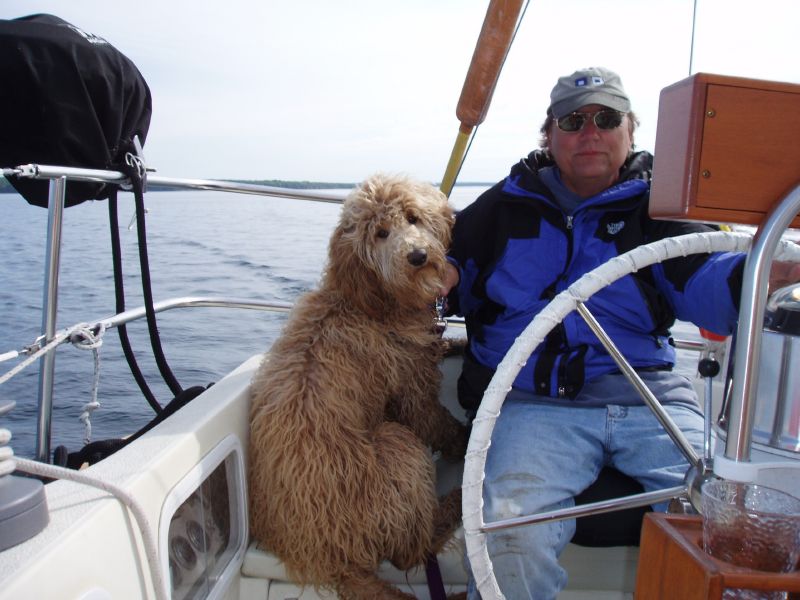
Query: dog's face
x=398 y=230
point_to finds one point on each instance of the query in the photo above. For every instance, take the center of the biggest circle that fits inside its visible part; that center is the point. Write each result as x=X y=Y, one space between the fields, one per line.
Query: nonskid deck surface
x=594 y=573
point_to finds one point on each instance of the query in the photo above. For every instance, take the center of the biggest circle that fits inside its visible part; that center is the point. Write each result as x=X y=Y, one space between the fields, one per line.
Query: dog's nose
x=417 y=257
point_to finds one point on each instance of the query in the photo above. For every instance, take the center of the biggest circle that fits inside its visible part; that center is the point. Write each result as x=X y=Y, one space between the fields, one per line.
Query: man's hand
x=450 y=279
x=783 y=274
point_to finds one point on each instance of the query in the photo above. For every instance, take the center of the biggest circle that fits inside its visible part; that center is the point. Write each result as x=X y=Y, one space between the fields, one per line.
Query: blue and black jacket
x=516 y=249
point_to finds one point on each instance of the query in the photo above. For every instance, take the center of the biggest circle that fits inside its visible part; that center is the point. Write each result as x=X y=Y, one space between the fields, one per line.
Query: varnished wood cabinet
x=727 y=149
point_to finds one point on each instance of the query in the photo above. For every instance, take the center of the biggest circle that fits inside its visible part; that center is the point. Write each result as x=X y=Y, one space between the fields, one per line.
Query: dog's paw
x=457 y=448
x=453 y=346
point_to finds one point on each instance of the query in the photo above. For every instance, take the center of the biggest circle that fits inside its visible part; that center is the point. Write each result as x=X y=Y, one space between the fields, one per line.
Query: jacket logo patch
x=615 y=228
x=89 y=37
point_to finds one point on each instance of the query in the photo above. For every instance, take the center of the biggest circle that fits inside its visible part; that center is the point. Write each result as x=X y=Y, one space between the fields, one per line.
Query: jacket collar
x=524 y=180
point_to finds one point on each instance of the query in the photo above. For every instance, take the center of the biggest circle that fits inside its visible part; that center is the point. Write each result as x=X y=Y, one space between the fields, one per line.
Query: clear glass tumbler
x=752 y=526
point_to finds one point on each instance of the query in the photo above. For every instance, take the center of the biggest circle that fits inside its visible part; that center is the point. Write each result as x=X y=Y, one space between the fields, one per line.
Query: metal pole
x=751 y=317
x=593 y=508
x=47 y=364
x=707 y=418
x=631 y=375
x=36 y=171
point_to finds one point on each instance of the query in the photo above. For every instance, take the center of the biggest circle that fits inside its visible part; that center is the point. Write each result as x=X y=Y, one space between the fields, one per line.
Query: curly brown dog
x=345 y=407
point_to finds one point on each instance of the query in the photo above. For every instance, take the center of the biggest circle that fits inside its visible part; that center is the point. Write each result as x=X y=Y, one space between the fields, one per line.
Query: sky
x=335 y=90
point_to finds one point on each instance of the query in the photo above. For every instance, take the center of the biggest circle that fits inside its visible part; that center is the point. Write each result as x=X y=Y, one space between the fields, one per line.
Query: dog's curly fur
x=345 y=407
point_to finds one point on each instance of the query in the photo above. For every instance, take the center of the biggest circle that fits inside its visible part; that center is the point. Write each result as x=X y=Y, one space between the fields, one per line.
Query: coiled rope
x=7 y=464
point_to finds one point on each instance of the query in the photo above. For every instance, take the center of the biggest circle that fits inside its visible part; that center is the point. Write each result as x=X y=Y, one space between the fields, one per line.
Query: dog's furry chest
x=421 y=345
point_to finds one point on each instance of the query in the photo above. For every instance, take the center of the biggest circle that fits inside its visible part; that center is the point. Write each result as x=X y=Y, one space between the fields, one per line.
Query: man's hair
x=633 y=123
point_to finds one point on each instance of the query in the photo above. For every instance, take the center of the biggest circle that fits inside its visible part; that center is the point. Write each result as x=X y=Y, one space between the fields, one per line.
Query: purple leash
x=434 y=576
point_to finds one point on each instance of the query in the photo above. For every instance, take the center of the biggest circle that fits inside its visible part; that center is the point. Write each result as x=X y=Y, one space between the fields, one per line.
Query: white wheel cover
x=528 y=341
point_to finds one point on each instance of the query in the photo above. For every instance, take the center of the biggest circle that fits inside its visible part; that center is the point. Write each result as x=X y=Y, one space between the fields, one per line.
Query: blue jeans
x=543 y=455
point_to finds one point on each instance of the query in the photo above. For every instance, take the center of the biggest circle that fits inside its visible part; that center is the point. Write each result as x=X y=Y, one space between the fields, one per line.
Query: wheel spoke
x=631 y=375
x=592 y=508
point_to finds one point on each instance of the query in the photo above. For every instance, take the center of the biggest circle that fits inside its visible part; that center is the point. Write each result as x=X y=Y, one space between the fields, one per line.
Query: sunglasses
x=603 y=119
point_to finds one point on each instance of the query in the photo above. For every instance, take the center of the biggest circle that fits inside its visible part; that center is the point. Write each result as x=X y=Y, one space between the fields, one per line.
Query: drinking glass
x=753 y=526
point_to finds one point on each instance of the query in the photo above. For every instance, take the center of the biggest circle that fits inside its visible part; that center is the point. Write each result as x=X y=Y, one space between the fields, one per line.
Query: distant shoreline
x=7 y=188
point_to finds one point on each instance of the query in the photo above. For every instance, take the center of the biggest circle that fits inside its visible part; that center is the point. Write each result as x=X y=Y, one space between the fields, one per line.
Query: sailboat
x=166 y=515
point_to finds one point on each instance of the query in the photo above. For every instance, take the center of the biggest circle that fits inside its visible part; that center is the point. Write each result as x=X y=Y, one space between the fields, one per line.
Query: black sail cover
x=68 y=98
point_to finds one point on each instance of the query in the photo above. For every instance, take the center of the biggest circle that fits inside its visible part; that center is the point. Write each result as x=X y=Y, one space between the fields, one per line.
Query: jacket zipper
x=561 y=388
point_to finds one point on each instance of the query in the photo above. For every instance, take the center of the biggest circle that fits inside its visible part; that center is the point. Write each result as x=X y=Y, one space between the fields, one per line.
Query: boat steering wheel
x=563 y=304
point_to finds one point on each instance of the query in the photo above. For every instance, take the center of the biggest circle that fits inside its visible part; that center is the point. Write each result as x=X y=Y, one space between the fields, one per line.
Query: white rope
x=529 y=340
x=58 y=339
x=8 y=355
x=151 y=549
x=85 y=339
x=82 y=337
x=7 y=463
x=86 y=418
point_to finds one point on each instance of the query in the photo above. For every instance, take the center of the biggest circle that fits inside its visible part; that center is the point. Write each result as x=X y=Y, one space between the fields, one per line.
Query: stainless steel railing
x=58 y=177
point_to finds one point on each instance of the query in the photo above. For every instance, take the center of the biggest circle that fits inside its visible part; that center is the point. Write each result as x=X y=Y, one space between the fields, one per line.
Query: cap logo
x=585 y=81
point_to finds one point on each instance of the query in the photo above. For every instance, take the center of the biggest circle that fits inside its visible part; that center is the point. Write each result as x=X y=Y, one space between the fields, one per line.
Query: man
x=578 y=201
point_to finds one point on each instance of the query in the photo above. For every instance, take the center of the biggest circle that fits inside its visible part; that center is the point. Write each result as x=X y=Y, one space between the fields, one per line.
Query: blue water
x=200 y=244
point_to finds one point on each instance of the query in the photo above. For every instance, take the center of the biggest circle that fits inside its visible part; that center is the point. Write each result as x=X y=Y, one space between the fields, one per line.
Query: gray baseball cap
x=595 y=85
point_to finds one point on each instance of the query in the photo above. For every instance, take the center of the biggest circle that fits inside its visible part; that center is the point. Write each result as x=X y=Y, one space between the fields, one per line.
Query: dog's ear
x=439 y=213
x=347 y=273
x=347 y=228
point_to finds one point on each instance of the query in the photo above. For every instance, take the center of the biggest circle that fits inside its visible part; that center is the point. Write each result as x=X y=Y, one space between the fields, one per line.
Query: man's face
x=589 y=159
